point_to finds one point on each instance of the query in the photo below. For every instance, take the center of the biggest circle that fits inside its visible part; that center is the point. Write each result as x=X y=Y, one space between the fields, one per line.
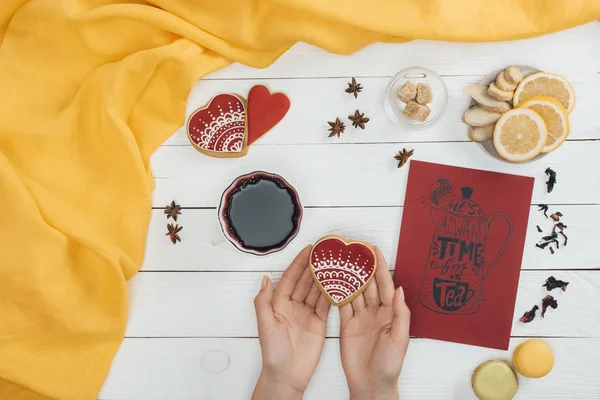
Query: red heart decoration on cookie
x=342 y=267
x=265 y=110
x=219 y=128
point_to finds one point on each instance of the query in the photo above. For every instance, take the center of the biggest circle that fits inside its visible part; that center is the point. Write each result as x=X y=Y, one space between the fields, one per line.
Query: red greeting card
x=460 y=251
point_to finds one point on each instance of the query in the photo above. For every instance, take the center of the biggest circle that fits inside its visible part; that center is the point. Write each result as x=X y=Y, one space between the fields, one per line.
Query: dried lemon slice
x=520 y=135
x=555 y=116
x=546 y=84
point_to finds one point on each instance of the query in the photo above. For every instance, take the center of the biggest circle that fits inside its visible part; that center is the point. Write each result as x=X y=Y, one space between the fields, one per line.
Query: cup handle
x=488 y=223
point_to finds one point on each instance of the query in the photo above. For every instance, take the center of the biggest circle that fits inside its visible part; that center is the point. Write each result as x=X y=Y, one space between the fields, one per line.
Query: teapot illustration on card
x=457 y=265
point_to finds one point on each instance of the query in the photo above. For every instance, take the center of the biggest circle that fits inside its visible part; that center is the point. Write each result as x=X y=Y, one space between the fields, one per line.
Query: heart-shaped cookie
x=219 y=128
x=265 y=110
x=342 y=267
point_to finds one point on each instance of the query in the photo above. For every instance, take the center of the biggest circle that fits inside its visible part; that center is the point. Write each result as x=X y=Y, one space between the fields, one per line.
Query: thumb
x=262 y=304
x=401 y=319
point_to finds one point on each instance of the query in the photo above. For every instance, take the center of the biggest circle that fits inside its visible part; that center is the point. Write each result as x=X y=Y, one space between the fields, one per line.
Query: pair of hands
x=291 y=328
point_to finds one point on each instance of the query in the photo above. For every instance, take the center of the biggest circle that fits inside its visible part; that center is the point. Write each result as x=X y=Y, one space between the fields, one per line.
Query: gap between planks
x=369 y=143
x=382 y=206
x=471 y=76
x=337 y=337
x=143 y=271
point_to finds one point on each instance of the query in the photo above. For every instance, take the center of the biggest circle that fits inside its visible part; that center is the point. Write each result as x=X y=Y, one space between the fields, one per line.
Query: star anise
x=173 y=210
x=358 y=119
x=403 y=156
x=173 y=231
x=337 y=128
x=354 y=88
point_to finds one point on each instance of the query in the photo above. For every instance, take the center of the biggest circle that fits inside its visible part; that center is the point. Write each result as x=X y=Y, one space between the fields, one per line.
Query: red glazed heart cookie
x=219 y=128
x=342 y=267
x=265 y=110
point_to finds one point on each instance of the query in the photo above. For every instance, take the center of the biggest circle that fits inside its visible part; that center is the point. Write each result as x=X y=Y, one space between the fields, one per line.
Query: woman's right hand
x=291 y=331
x=374 y=337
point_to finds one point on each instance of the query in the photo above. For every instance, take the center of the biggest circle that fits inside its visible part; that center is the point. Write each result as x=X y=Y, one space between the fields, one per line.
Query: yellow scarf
x=90 y=88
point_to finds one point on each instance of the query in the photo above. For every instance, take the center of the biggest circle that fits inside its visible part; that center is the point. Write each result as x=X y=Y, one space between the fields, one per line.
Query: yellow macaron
x=533 y=358
x=494 y=380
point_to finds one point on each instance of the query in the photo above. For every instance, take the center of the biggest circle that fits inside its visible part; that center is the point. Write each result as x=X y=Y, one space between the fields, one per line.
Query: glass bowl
x=394 y=106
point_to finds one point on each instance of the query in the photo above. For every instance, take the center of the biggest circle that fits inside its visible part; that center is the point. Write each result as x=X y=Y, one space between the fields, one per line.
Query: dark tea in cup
x=260 y=213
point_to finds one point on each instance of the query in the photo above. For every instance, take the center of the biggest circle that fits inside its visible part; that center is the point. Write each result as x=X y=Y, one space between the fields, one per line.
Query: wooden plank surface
x=204 y=248
x=362 y=175
x=571 y=51
x=192 y=334
x=218 y=369
x=318 y=100
x=192 y=304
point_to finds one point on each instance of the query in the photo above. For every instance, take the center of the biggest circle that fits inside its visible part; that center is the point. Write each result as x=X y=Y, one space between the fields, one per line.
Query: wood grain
x=351 y=186
x=574 y=50
x=192 y=305
x=316 y=101
x=204 y=248
x=184 y=369
x=362 y=175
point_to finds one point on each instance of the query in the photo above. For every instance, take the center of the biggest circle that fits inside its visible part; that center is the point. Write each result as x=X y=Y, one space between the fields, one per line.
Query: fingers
x=303 y=285
x=313 y=295
x=385 y=283
x=290 y=277
x=372 y=293
x=346 y=312
x=401 y=319
x=322 y=308
x=358 y=304
x=262 y=304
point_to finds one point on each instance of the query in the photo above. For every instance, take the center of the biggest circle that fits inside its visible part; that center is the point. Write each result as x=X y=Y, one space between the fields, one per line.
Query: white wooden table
x=192 y=331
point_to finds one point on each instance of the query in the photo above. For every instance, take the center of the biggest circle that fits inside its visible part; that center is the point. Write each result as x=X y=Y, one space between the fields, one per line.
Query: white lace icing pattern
x=340 y=276
x=224 y=133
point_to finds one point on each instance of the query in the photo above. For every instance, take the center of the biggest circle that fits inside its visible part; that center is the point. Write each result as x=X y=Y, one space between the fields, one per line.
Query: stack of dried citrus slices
x=538 y=123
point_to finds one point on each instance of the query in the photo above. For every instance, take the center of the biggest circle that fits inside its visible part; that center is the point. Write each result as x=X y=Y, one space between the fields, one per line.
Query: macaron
x=494 y=380
x=533 y=358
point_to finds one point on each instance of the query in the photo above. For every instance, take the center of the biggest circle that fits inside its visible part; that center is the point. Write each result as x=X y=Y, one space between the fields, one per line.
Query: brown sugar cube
x=416 y=111
x=424 y=95
x=407 y=92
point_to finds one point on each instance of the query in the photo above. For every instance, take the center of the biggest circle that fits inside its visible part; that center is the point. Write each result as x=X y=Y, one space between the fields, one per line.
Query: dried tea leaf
x=551 y=179
x=553 y=283
x=529 y=315
x=548 y=301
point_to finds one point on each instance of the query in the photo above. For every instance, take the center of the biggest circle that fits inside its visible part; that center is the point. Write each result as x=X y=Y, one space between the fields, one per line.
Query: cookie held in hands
x=342 y=267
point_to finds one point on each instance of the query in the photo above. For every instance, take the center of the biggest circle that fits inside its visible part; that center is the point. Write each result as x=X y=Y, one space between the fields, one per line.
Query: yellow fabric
x=90 y=88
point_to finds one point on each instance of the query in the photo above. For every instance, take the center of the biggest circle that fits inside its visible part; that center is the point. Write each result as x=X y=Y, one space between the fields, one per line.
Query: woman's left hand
x=291 y=331
x=374 y=331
